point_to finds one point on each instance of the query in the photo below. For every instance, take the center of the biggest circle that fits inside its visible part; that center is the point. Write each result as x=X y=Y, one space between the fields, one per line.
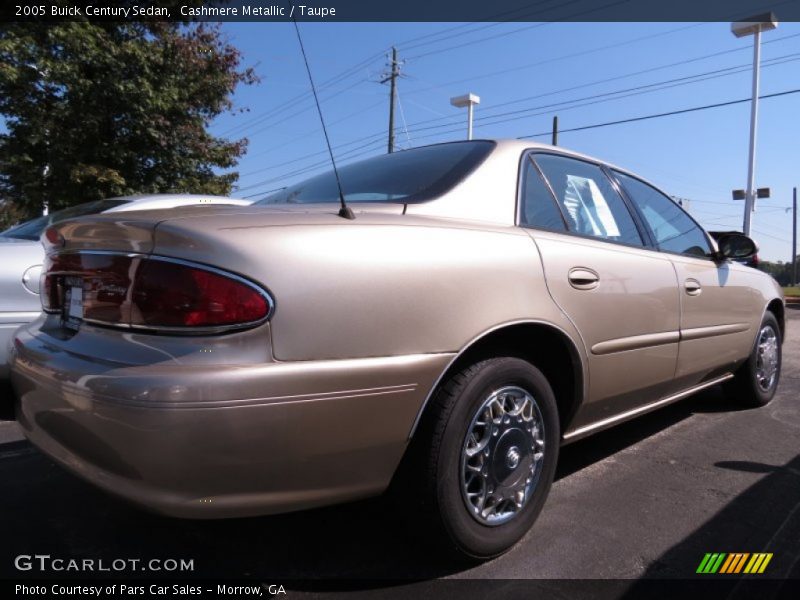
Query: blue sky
x=581 y=68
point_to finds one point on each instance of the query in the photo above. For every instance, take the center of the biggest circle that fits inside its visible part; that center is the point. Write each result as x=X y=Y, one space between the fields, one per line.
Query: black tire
x=434 y=466
x=746 y=387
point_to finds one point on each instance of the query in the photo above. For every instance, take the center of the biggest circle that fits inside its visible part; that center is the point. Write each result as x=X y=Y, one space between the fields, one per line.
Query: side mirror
x=735 y=245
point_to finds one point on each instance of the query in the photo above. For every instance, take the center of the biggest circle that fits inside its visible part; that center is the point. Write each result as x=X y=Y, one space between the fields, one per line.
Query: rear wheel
x=757 y=379
x=487 y=456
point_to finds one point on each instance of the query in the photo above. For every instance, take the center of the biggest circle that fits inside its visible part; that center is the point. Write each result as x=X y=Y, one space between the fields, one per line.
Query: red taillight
x=52 y=238
x=170 y=294
x=151 y=292
x=56 y=268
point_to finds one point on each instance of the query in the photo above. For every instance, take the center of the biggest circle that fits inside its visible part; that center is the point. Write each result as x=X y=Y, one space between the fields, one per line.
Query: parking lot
x=646 y=499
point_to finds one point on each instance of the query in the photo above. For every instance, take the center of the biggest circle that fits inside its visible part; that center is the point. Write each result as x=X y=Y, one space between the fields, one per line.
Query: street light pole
x=468 y=101
x=750 y=200
x=753 y=26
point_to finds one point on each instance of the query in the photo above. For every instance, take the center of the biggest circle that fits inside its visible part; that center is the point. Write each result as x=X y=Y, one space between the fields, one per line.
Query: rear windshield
x=31 y=230
x=408 y=176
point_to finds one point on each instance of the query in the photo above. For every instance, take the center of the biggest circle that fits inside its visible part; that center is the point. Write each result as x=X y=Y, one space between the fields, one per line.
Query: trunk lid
x=135 y=231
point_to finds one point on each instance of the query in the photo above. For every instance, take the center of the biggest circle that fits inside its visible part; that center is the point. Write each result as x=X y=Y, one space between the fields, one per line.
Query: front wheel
x=493 y=440
x=757 y=379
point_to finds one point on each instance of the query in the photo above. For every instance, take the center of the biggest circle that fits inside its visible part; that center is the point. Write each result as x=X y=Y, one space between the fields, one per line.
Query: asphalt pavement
x=646 y=499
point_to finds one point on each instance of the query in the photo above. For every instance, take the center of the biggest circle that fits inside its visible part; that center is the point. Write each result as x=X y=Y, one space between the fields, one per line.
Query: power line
x=664 y=114
x=586 y=101
x=311 y=167
x=769 y=235
x=299 y=112
x=302 y=98
x=494 y=24
x=558 y=58
x=264 y=192
x=291 y=102
x=527 y=27
x=596 y=82
x=650 y=86
x=412 y=126
x=408 y=44
x=302 y=136
x=561 y=107
x=582 y=128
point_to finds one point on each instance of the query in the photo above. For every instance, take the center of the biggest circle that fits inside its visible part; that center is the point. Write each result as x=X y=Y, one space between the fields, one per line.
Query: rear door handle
x=693 y=287
x=582 y=278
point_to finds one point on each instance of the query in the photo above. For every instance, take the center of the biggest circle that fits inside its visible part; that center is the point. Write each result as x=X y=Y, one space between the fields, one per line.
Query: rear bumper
x=219 y=441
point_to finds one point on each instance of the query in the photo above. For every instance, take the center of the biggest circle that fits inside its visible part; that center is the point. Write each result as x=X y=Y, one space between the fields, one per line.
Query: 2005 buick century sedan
x=490 y=301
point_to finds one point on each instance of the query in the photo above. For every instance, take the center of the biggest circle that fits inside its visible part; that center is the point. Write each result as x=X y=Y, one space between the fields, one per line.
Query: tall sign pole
x=794 y=237
x=753 y=26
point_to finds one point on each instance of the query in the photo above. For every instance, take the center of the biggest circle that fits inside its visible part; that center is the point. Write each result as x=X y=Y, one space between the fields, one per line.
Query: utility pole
x=394 y=73
x=794 y=237
x=555 y=130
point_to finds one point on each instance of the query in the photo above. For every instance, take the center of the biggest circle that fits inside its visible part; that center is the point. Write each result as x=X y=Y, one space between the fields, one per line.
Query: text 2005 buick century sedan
x=491 y=301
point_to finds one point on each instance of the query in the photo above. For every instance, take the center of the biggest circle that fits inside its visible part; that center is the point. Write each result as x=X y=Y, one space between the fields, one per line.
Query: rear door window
x=588 y=200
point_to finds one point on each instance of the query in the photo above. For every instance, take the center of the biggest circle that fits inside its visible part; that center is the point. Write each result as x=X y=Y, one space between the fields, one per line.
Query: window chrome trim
x=184 y=330
x=526 y=163
x=711 y=243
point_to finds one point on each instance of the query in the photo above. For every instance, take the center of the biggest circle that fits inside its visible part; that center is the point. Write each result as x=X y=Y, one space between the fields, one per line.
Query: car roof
x=522 y=145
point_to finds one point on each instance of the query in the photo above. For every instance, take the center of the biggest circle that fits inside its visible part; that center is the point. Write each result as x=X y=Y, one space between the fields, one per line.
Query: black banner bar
x=402 y=10
x=707 y=587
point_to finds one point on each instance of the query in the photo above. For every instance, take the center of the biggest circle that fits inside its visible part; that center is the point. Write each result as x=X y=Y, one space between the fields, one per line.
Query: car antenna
x=345 y=211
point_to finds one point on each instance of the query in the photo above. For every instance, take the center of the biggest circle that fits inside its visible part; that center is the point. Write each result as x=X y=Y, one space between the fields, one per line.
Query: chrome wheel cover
x=502 y=456
x=767 y=358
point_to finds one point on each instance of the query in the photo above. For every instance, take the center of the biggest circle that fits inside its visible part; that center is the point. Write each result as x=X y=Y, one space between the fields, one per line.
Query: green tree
x=781 y=271
x=10 y=214
x=101 y=109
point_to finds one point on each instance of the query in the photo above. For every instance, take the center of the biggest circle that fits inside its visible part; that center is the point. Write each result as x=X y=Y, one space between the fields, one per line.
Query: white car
x=22 y=254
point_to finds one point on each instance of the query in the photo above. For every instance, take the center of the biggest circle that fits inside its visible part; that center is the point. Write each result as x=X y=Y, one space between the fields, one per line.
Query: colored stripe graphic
x=716 y=565
x=734 y=562
x=711 y=562
x=755 y=562
x=703 y=563
x=767 y=558
x=740 y=564
x=727 y=564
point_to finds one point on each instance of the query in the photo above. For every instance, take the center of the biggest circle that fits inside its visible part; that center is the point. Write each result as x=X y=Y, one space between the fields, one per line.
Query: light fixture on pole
x=468 y=101
x=753 y=26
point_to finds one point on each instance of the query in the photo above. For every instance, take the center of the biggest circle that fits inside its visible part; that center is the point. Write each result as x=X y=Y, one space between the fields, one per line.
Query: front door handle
x=693 y=287
x=582 y=278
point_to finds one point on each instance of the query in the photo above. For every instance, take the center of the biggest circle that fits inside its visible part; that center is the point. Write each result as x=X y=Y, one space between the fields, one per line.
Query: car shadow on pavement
x=763 y=518
x=44 y=509
x=581 y=454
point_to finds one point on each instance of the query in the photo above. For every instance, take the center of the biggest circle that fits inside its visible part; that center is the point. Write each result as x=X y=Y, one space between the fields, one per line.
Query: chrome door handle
x=693 y=287
x=582 y=278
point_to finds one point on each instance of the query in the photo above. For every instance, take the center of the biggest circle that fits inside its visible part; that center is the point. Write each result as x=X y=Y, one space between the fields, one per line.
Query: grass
x=791 y=292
